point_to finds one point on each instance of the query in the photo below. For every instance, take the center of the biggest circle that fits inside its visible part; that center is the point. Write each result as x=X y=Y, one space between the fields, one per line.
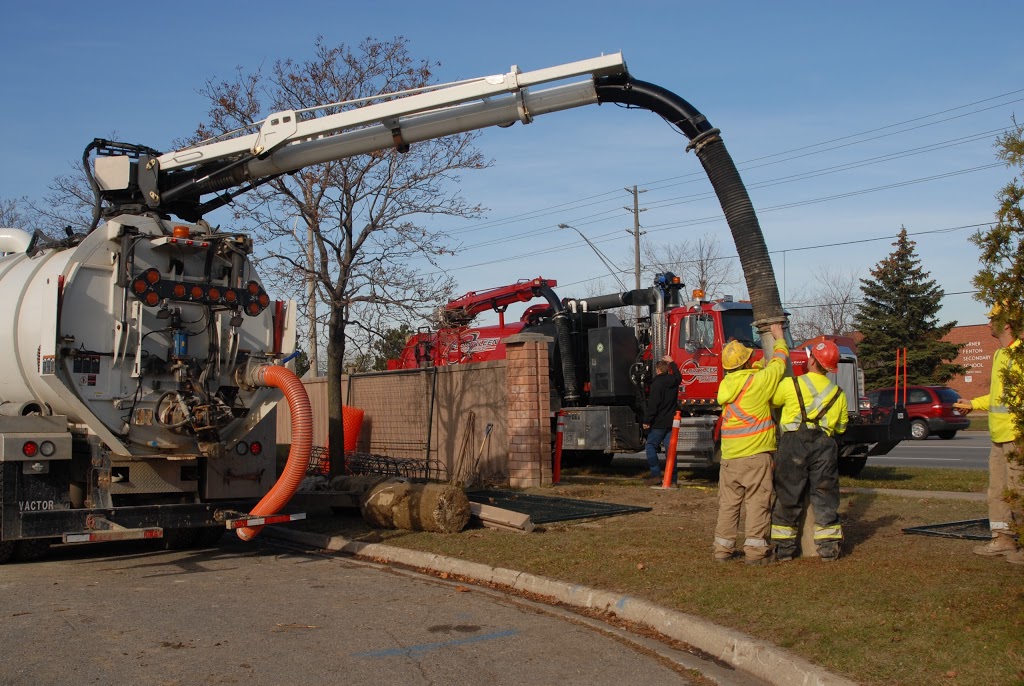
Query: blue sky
x=911 y=96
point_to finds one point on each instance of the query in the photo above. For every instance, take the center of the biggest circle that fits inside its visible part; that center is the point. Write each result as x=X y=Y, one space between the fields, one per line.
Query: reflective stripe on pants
x=806 y=459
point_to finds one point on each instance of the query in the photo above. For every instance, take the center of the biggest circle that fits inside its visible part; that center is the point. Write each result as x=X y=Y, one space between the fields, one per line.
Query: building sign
x=976 y=355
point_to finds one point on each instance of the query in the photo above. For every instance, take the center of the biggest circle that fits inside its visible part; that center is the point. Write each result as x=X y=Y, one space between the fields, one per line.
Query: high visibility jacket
x=745 y=394
x=817 y=390
x=1000 y=423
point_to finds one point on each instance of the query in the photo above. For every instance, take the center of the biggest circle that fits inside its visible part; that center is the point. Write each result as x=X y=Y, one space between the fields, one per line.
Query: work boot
x=725 y=557
x=1000 y=545
x=785 y=555
x=829 y=552
x=1015 y=558
x=766 y=560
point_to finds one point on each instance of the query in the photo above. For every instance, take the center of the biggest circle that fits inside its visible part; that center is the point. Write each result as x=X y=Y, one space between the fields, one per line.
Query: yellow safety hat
x=997 y=309
x=735 y=355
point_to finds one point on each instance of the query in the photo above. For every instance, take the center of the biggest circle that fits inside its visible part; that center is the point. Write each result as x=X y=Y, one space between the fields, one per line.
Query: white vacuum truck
x=137 y=359
x=133 y=385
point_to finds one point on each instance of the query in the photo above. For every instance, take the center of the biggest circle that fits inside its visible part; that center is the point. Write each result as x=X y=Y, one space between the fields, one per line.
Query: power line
x=562 y=207
x=669 y=202
x=860 y=301
x=719 y=217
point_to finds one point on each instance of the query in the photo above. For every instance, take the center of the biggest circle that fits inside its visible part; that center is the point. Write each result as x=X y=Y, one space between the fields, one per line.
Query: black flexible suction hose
x=725 y=178
x=571 y=393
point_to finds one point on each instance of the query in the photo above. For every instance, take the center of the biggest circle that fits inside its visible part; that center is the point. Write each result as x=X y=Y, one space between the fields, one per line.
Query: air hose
x=271 y=376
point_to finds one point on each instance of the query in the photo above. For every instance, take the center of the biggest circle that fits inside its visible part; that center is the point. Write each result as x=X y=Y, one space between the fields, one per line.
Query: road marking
x=937 y=459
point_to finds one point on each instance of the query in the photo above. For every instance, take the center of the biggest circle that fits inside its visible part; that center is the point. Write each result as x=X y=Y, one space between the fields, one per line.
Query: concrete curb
x=759 y=658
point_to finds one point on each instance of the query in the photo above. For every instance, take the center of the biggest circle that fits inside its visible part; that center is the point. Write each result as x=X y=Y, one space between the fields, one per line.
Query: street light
x=612 y=269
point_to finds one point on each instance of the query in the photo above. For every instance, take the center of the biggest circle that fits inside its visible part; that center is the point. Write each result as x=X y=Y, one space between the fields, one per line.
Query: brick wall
x=511 y=395
x=529 y=409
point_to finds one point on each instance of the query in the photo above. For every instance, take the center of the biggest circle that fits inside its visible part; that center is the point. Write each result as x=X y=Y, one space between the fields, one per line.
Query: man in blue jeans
x=662 y=403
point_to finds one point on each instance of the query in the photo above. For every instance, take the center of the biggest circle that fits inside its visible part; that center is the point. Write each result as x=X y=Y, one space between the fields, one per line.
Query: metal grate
x=974 y=529
x=543 y=509
x=366 y=463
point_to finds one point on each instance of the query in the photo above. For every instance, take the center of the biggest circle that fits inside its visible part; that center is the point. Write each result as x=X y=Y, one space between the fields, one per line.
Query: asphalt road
x=260 y=613
x=968 y=450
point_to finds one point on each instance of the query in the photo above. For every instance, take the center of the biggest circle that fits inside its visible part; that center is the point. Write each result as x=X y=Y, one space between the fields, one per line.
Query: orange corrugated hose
x=302 y=444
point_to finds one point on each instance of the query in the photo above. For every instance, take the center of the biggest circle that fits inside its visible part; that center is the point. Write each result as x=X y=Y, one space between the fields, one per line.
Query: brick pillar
x=529 y=410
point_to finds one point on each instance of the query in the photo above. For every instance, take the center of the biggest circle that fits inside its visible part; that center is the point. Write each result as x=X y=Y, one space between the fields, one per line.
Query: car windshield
x=947 y=395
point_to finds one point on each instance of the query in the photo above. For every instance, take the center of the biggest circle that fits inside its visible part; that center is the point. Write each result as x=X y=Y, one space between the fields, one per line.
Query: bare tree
x=700 y=262
x=11 y=215
x=827 y=306
x=362 y=211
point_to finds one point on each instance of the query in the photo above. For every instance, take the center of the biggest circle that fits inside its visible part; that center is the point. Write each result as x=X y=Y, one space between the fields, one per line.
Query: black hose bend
x=725 y=178
x=571 y=393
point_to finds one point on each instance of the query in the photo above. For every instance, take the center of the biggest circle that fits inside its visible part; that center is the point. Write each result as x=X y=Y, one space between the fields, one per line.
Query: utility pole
x=636 y=236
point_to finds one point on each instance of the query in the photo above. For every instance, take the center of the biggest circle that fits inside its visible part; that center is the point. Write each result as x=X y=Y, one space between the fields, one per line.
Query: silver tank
x=136 y=333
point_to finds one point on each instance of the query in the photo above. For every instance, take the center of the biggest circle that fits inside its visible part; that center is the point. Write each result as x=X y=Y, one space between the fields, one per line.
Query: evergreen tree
x=390 y=346
x=899 y=311
x=1001 y=277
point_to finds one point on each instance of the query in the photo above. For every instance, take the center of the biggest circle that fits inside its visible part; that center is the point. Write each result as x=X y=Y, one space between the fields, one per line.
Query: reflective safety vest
x=745 y=394
x=817 y=391
x=1000 y=423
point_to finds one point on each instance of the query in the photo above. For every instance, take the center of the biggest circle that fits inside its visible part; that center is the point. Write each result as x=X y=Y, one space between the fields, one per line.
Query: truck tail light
x=29 y=449
x=152 y=276
x=140 y=286
x=197 y=293
x=47 y=448
x=241 y=448
x=213 y=293
x=255 y=447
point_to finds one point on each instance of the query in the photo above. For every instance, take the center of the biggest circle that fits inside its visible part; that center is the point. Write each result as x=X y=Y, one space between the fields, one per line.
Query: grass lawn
x=919 y=479
x=897 y=609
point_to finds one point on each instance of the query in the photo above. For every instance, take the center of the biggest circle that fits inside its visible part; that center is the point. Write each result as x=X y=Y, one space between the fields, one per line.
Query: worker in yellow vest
x=814 y=410
x=748 y=441
x=1003 y=473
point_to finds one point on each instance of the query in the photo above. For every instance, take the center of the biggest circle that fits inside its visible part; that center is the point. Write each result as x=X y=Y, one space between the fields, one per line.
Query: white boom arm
x=407 y=120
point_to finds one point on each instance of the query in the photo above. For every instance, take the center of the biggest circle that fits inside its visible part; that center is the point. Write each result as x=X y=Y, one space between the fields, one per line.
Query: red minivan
x=930 y=409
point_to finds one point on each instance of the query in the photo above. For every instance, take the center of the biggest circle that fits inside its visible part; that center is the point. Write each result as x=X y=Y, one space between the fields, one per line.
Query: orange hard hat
x=826 y=353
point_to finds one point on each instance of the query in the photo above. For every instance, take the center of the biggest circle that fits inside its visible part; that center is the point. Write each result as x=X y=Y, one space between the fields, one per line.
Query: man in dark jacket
x=662 y=402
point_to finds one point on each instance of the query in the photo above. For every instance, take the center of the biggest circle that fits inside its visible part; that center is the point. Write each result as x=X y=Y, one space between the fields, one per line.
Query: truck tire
x=30 y=549
x=919 y=429
x=852 y=466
